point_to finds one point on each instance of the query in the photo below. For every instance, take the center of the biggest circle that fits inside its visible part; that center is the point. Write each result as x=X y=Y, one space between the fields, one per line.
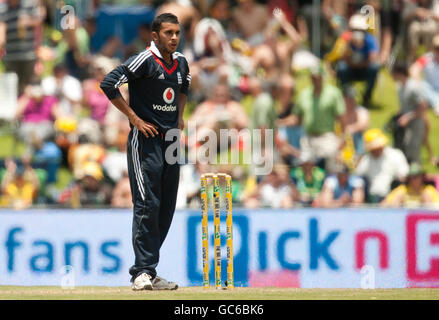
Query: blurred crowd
x=307 y=73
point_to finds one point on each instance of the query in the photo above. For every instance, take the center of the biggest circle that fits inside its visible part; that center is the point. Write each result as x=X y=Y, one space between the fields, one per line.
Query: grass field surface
x=198 y=293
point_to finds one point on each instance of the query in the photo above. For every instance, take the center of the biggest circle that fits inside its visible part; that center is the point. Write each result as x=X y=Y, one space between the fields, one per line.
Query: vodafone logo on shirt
x=169 y=95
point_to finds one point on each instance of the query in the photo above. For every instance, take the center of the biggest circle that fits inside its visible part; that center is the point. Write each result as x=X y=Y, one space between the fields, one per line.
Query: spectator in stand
x=284 y=94
x=414 y=193
x=89 y=189
x=82 y=154
x=273 y=56
x=250 y=20
x=426 y=69
x=142 y=40
x=422 y=19
x=37 y=113
x=381 y=166
x=341 y=190
x=90 y=129
x=276 y=190
x=385 y=23
x=18 y=193
x=265 y=61
x=319 y=107
x=93 y=191
x=66 y=89
x=356 y=121
x=412 y=115
x=263 y=114
x=220 y=10
x=212 y=57
x=288 y=8
x=187 y=15
x=218 y=112
x=285 y=46
x=308 y=179
x=113 y=46
x=18 y=22
x=357 y=54
x=263 y=118
x=115 y=163
x=66 y=135
x=29 y=174
x=74 y=50
x=94 y=98
x=332 y=23
x=48 y=155
x=289 y=130
x=121 y=197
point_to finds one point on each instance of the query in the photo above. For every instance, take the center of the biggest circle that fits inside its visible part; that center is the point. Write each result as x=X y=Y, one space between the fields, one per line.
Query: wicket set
x=217 y=231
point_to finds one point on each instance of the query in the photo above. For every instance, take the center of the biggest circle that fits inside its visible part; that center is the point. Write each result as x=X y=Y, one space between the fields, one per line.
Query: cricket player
x=158 y=79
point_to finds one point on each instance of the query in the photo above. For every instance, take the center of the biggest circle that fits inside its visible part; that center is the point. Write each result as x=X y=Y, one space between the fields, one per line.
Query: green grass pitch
x=198 y=293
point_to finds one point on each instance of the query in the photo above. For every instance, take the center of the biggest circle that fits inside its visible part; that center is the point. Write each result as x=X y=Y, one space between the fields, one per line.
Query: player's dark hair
x=164 y=17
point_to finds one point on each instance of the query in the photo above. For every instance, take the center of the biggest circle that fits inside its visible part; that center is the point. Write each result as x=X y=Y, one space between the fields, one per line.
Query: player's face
x=168 y=37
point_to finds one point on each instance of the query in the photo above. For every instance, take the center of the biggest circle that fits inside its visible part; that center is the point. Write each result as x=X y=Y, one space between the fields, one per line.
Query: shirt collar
x=155 y=50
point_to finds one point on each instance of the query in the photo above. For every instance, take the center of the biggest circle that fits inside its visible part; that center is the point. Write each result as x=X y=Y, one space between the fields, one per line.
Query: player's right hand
x=148 y=129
